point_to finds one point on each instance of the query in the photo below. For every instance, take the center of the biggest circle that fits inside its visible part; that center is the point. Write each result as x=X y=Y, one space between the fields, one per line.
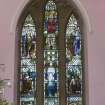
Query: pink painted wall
x=9 y=12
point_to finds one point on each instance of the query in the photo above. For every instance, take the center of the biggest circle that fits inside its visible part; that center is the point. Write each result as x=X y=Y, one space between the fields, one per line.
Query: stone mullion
x=62 y=89
x=38 y=17
x=63 y=17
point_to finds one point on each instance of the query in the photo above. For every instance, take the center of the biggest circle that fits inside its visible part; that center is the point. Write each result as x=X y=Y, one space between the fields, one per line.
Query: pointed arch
x=26 y=4
x=19 y=14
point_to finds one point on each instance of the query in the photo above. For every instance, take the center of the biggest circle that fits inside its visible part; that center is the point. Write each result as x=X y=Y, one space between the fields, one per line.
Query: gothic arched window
x=73 y=62
x=51 y=68
x=28 y=62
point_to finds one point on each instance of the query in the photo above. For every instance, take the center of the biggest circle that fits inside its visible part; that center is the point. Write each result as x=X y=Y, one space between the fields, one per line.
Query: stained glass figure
x=73 y=42
x=73 y=63
x=28 y=63
x=51 y=94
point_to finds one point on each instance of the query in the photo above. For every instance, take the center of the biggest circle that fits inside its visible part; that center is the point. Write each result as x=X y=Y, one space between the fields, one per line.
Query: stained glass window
x=54 y=75
x=28 y=63
x=51 y=94
x=73 y=63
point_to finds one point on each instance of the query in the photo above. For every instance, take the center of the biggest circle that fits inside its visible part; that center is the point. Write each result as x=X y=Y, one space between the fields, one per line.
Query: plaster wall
x=9 y=10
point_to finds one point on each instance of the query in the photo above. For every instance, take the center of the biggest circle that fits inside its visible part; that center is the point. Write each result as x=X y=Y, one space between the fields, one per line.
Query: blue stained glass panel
x=51 y=79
